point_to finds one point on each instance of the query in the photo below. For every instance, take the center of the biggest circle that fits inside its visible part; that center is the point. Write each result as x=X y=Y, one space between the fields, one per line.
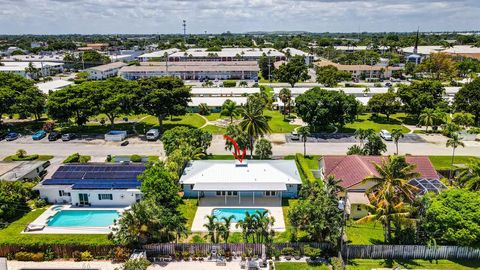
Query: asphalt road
x=99 y=149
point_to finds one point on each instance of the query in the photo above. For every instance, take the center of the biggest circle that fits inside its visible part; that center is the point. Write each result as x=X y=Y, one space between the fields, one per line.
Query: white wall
x=124 y=197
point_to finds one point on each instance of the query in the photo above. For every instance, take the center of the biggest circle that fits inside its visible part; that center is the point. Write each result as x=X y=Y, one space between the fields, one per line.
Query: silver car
x=387 y=136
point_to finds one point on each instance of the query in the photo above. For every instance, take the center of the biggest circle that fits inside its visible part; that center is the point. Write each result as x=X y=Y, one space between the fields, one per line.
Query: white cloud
x=165 y=16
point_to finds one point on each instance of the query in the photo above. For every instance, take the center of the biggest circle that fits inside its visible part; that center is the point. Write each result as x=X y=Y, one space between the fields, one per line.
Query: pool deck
x=40 y=225
x=206 y=206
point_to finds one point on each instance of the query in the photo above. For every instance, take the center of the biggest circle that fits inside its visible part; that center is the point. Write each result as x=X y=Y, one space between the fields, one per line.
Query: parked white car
x=153 y=134
x=387 y=136
x=295 y=136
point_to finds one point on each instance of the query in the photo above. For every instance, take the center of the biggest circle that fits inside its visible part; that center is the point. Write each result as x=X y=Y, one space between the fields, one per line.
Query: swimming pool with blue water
x=237 y=213
x=83 y=218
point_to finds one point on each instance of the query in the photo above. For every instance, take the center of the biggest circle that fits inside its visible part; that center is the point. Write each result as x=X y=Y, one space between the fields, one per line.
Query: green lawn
x=376 y=123
x=190 y=119
x=188 y=209
x=368 y=264
x=214 y=129
x=444 y=162
x=365 y=234
x=277 y=123
x=12 y=234
x=299 y=266
x=282 y=237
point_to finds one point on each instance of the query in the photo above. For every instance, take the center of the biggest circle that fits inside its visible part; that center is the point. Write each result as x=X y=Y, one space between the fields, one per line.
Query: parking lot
x=347 y=138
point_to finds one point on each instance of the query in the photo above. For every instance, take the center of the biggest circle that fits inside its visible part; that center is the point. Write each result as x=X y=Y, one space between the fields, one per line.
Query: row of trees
x=158 y=96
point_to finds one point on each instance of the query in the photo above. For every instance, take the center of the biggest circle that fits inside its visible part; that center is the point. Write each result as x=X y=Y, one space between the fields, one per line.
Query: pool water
x=237 y=213
x=84 y=218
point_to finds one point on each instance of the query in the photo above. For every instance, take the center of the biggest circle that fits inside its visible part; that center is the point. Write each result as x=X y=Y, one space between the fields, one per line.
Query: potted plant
x=228 y=254
x=186 y=256
x=287 y=253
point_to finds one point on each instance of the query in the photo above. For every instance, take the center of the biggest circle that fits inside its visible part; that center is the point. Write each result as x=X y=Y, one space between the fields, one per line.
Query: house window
x=62 y=193
x=219 y=193
x=191 y=187
x=270 y=193
x=105 y=197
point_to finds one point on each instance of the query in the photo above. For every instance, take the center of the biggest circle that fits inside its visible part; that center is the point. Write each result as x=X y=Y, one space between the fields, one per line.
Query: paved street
x=99 y=149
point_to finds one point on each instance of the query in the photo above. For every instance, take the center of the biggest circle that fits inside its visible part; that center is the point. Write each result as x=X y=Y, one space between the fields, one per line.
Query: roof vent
x=242 y=163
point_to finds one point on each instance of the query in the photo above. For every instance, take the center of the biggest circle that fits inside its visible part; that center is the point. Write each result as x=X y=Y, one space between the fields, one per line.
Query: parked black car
x=68 y=137
x=12 y=136
x=53 y=136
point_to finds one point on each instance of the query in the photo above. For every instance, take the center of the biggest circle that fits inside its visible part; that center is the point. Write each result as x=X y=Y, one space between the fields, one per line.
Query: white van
x=153 y=134
x=387 y=136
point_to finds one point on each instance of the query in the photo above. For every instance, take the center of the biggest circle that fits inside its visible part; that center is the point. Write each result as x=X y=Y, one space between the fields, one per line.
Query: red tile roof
x=353 y=169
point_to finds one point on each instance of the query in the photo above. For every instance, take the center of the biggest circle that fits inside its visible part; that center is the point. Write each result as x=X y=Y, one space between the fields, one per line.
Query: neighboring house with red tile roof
x=352 y=170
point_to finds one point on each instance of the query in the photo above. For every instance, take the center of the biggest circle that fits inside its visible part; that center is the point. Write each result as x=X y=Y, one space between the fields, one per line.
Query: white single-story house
x=93 y=184
x=105 y=71
x=22 y=170
x=245 y=180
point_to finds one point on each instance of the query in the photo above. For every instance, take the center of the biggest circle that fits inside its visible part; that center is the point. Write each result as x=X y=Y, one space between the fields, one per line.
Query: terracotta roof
x=353 y=169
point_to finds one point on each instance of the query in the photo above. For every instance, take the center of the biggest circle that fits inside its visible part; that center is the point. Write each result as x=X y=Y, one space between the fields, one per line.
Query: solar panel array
x=97 y=176
x=427 y=185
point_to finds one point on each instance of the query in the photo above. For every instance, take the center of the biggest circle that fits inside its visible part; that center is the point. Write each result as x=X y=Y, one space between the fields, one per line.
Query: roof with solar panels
x=96 y=176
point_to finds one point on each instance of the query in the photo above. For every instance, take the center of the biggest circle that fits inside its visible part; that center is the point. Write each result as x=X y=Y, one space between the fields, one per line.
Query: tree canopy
x=468 y=99
x=329 y=75
x=321 y=108
x=386 y=103
x=292 y=72
x=420 y=95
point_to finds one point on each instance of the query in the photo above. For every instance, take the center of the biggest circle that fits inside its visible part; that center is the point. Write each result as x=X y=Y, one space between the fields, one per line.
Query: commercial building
x=94 y=184
x=364 y=71
x=242 y=70
x=309 y=58
x=226 y=54
x=45 y=68
x=247 y=180
x=214 y=97
x=105 y=71
x=352 y=171
x=423 y=52
x=22 y=170
x=94 y=47
x=54 y=85
x=157 y=55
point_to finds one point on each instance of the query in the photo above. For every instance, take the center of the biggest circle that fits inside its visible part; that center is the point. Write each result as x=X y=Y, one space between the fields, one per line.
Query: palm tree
x=254 y=123
x=229 y=108
x=454 y=142
x=285 y=96
x=32 y=71
x=396 y=135
x=225 y=227
x=332 y=186
x=363 y=134
x=470 y=178
x=394 y=174
x=203 y=109
x=304 y=132
x=212 y=227
x=246 y=224
x=427 y=118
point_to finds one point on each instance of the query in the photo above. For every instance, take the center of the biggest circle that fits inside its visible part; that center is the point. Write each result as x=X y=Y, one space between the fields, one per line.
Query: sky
x=236 y=16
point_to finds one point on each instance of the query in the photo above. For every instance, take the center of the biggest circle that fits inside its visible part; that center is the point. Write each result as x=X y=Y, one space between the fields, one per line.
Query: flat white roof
x=34 y=58
x=229 y=52
x=20 y=66
x=160 y=53
x=295 y=52
x=227 y=175
x=216 y=101
x=46 y=87
x=224 y=90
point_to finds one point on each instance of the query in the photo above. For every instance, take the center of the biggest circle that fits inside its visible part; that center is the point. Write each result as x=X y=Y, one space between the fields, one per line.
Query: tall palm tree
x=363 y=134
x=304 y=132
x=332 y=186
x=396 y=135
x=427 y=118
x=229 y=108
x=454 y=142
x=254 y=123
x=394 y=174
x=246 y=224
x=470 y=178
x=285 y=96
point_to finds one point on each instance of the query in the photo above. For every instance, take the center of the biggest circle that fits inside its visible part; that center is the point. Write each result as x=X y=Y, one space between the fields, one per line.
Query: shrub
x=304 y=169
x=136 y=264
x=135 y=158
x=77 y=256
x=336 y=263
x=197 y=239
x=312 y=252
x=86 y=256
x=29 y=256
x=49 y=255
x=288 y=251
x=229 y=83
x=77 y=158
x=121 y=254
x=39 y=203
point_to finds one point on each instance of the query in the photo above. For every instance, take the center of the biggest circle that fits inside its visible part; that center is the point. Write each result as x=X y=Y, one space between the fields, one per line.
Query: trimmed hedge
x=229 y=83
x=305 y=171
x=77 y=158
